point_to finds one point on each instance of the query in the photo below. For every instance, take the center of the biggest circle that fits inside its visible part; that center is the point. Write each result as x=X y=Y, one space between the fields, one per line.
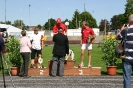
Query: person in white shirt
x=37 y=45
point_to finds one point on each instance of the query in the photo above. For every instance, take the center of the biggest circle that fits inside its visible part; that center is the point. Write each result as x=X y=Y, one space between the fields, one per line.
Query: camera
x=4 y=32
x=125 y=25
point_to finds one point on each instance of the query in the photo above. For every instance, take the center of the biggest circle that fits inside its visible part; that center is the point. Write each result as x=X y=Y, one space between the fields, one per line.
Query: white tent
x=11 y=29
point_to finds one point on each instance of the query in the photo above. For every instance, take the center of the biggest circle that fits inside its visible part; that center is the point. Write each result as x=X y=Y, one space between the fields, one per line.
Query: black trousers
x=26 y=58
x=58 y=60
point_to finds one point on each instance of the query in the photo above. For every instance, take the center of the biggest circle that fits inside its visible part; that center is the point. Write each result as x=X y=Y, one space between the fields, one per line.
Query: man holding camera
x=3 y=48
x=127 y=62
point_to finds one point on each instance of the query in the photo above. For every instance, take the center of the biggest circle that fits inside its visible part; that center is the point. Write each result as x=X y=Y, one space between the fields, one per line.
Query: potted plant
x=108 y=56
x=14 y=54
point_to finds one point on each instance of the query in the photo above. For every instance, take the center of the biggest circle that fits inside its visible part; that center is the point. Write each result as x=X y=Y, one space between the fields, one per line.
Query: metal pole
x=105 y=29
x=29 y=16
x=5 y=11
x=79 y=24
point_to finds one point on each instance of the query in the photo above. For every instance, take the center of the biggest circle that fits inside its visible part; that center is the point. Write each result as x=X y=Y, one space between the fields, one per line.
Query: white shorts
x=86 y=46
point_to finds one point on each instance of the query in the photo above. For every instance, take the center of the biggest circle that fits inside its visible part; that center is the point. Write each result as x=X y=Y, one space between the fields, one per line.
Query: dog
x=38 y=62
x=70 y=55
x=91 y=39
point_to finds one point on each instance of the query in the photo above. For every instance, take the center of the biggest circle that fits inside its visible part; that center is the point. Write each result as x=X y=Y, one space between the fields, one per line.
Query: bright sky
x=40 y=10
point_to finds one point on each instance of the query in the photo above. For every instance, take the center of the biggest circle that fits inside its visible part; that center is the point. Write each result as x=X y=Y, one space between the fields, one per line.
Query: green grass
x=95 y=62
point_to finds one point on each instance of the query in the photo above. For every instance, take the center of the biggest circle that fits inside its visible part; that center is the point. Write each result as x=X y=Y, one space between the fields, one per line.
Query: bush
x=13 y=53
x=108 y=51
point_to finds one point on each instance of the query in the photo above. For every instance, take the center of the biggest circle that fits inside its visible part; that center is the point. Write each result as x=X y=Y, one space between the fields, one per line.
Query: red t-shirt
x=63 y=26
x=85 y=34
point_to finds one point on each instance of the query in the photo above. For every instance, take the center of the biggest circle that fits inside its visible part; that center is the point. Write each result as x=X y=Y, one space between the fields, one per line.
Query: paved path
x=103 y=81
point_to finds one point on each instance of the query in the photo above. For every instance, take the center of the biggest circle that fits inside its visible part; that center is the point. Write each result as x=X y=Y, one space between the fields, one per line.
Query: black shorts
x=34 y=52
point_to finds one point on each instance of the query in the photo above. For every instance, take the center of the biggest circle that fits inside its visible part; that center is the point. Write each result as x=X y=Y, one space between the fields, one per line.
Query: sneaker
x=89 y=66
x=81 y=65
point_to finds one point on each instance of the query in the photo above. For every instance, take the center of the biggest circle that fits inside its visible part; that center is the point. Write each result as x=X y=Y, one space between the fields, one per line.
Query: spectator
x=127 y=62
x=25 y=46
x=85 y=44
x=58 y=25
x=61 y=48
x=37 y=45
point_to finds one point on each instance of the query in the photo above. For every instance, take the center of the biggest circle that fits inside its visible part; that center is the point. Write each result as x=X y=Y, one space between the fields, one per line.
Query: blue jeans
x=127 y=71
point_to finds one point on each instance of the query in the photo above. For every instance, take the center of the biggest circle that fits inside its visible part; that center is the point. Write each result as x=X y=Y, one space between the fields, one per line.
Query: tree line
x=115 y=22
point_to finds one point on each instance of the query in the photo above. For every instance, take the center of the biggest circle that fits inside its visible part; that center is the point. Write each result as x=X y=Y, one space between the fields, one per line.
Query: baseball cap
x=58 y=20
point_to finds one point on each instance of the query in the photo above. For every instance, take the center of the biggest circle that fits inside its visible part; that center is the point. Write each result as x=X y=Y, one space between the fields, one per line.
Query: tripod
x=2 y=68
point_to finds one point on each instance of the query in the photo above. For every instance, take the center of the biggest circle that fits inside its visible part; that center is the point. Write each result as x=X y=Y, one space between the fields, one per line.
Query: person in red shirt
x=86 y=43
x=58 y=25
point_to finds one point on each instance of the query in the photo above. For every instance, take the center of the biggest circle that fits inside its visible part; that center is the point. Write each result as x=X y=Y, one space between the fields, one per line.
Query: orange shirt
x=63 y=26
x=85 y=34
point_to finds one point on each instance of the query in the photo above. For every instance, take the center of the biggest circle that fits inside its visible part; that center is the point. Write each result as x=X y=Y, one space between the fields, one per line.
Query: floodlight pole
x=5 y=11
x=29 y=16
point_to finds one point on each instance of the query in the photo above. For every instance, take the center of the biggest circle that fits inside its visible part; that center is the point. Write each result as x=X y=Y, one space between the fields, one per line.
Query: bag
x=119 y=50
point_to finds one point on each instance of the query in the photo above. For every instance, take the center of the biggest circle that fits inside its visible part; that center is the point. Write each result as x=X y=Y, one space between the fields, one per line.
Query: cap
x=58 y=20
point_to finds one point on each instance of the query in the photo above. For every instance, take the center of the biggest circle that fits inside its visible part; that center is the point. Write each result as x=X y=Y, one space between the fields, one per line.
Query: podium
x=70 y=69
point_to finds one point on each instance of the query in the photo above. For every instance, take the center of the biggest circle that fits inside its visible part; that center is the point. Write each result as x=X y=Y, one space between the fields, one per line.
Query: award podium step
x=69 y=70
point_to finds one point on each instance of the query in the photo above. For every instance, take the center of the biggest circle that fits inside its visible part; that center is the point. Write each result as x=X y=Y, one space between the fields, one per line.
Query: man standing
x=85 y=44
x=58 y=25
x=127 y=62
x=37 y=45
x=61 y=48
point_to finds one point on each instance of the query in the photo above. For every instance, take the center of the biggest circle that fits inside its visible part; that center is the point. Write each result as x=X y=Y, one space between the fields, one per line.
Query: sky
x=34 y=12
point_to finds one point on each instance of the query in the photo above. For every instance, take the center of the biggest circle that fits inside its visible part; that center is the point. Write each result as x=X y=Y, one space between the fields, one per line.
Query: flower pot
x=111 y=70
x=15 y=71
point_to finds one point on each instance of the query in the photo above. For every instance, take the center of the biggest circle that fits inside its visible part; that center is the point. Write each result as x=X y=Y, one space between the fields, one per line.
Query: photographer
x=126 y=33
x=3 y=48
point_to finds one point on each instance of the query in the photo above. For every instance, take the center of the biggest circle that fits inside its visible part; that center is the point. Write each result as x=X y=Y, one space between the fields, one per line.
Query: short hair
x=23 y=33
x=60 y=29
x=131 y=18
x=36 y=28
x=85 y=23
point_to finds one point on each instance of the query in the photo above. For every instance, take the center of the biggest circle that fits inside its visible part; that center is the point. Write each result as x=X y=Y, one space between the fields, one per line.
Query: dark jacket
x=61 y=45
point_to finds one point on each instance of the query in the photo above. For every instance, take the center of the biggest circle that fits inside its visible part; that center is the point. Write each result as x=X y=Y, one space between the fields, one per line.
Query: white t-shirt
x=36 y=41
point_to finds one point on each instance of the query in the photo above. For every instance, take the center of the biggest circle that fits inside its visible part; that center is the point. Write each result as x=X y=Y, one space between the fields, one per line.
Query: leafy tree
x=128 y=10
x=18 y=23
x=102 y=25
x=7 y=22
x=75 y=20
x=50 y=24
x=39 y=26
x=86 y=16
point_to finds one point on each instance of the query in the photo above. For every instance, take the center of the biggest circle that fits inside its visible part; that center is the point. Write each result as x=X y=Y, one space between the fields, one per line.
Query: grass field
x=96 y=58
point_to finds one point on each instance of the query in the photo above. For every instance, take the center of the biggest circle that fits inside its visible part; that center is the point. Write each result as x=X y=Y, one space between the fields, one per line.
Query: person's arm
x=2 y=45
x=118 y=35
x=54 y=30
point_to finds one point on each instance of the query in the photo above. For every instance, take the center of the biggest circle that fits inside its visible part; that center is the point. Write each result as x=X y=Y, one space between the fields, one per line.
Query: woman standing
x=25 y=46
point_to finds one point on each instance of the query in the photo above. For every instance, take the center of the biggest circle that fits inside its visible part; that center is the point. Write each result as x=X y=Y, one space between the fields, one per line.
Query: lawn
x=96 y=58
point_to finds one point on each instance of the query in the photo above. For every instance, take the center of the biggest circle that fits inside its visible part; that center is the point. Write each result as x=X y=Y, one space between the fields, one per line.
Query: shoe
x=80 y=65
x=89 y=66
x=53 y=76
x=27 y=76
x=123 y=57
x=21 y=75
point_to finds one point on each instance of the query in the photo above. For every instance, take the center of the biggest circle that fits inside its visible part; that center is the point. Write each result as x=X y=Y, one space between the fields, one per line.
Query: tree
x=7 y=22
x=128 y=10
x=102 y=25
x=50 y=24
x=75 y=20
x=39 y=26
x=18 y=23
x=86 y=16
